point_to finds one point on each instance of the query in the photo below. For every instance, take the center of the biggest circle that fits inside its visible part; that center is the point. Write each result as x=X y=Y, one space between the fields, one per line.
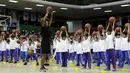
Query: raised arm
x=50 y=21
x=43 y=20
x=107 y=27
x=67 y=34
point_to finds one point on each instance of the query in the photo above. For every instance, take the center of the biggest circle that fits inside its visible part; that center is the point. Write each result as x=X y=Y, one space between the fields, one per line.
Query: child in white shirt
x=3 y=49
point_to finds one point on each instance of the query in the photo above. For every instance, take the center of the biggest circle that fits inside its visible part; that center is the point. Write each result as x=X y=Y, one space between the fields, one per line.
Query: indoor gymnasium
x=64 y=36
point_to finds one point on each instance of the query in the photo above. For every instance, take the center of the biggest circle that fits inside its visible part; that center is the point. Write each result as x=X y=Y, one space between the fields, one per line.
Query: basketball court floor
x=53 y=68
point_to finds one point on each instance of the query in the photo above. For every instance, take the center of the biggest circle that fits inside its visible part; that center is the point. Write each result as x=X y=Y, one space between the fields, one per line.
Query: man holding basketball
x=45 y=34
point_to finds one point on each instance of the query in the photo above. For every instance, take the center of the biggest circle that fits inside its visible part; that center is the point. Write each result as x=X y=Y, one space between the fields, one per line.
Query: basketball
x=117 y=29
x=100 y=27
x=63 y=28
x=50 y=9
x=87 y=26
x=126 y=25
x=112 y=19
x=38 y=45
x=94 y=33
x=30 y=52
x=79 y=31
x=58 y=32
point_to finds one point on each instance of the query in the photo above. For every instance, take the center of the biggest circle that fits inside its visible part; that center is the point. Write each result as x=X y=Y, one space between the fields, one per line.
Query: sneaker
x=15 y=62
x=126 y=62
x=107 y=69
x=37 y=64
x=77 y=65
x=1 y=60
x=42 y=69
x=46 y=64
x=25 y=63
x=11 y=62
x=63 y=66
x=114 y=70
x=82 y=64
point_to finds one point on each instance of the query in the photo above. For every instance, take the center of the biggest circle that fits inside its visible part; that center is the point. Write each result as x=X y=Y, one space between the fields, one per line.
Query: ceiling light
x=13 y=1
x=108 y=11
x=27 y=8
x=39 y=5
x=2 y=5
x=97 y=8
x=64 y=8
x=125 y=5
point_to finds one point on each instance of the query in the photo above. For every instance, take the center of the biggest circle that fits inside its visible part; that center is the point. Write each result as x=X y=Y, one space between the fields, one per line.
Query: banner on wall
x=33 y=16
x=25 y=16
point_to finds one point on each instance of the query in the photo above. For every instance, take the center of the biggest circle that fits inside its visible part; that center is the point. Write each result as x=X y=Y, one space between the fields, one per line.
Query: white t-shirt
x=118 y=43
x=95 y=46
x=3 y=45
x=35 y=44
x=124 y=44
x=7 y=46
x=71 y=47
x=17 y=45
x=79 y=48
x=86 y=45
x=32 y=46
x=102 y=45
x=24 y=46
x=110 y=40
x=75 y=45
x=57 y=45
x=64 y=45
x=12 y=43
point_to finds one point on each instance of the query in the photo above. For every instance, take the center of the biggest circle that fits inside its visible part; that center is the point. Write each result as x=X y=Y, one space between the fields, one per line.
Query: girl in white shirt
x=13 y=51
x=87 y=50
x=31 y=47
x=101 y=50
x=118 y=40
x=3 y=49
x=110 y=52
x=24 y=50
x=95 y=48
x=17 y=48
x=64 y=47
x=7 y=50
x=124 y=50
x=71 y=49
x=57 y=53
x=79 y=50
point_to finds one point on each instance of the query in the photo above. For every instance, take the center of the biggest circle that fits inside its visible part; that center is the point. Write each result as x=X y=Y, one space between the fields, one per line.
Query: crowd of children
x=14 y=47
x=107 y=46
